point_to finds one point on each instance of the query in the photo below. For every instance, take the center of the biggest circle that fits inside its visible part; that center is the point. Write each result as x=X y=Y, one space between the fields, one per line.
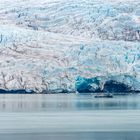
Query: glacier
x=52 y=46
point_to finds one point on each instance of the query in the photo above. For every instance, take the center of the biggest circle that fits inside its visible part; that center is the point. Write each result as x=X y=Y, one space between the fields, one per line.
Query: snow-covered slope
x=57 y=46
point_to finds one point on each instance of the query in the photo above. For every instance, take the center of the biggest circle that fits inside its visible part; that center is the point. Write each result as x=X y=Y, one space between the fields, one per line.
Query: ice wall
x=45 y=46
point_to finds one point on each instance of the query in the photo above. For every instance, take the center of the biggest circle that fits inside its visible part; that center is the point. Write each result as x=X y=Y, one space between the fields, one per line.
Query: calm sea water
x=65 y=102
x=69 y=117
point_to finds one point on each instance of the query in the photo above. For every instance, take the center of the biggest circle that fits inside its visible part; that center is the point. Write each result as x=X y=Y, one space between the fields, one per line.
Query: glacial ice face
x=117 y=83
x=45 y=46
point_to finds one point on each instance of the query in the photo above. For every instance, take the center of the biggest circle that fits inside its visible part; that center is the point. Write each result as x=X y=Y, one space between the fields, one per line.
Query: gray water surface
x=65 y=102
x=69 y=117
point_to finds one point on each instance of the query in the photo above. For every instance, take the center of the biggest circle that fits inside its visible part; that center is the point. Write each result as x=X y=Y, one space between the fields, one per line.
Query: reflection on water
x=65 y=102
x=42 y=124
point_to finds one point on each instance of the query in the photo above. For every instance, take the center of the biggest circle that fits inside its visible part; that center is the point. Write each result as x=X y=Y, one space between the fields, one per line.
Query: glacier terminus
x=69 y=45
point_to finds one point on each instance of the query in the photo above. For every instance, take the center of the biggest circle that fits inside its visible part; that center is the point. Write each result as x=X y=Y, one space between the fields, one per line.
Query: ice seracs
x=45 y=46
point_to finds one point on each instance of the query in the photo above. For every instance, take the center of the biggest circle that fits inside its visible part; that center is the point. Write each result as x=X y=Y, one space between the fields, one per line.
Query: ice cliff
x=68 y=45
